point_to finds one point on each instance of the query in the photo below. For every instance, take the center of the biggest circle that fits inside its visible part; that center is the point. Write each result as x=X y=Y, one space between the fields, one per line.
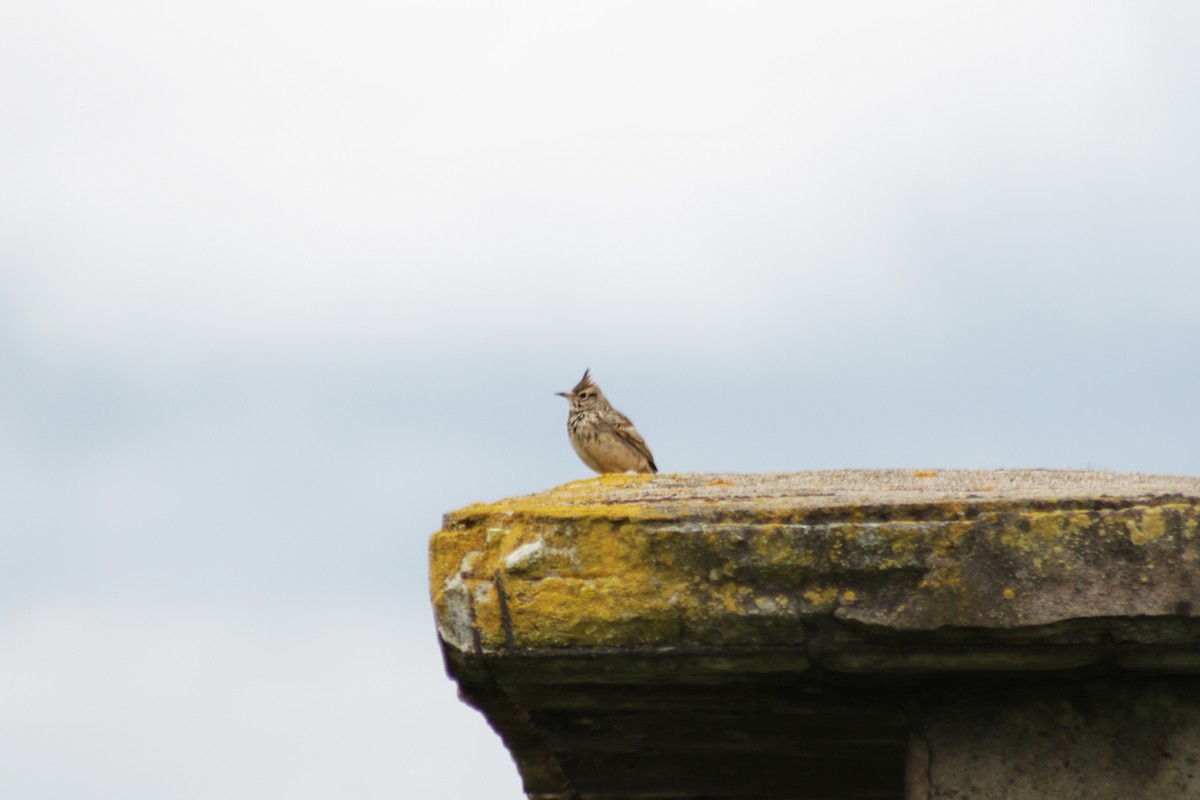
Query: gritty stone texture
x=1094 y=740
x=745 y=635
x=708 y=561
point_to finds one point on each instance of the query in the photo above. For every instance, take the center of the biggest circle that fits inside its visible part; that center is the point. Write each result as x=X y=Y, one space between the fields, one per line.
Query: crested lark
x=602 y=436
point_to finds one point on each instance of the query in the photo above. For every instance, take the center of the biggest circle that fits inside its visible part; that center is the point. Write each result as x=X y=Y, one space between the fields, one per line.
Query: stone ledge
x=644 y=636
x=954 y=560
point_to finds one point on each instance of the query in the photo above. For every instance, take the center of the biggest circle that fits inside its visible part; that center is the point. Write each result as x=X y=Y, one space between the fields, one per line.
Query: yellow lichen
x=1149 y=528
x=579 y=566
x=822 y=597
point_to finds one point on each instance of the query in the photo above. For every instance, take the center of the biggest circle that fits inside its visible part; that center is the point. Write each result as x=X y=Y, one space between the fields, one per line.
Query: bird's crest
x=584 y=382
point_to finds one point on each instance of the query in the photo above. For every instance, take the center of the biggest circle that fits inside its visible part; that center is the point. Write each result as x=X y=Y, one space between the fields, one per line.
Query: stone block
x=811 y=634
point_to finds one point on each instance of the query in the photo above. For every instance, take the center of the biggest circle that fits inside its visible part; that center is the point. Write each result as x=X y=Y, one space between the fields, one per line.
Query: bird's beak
x=563 y=394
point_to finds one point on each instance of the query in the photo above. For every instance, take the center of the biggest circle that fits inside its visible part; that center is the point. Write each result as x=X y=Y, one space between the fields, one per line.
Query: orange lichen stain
x=1008 y=593
x=989 y=488
x=822 y=597
x=622 y=480
x=561 y=612
x=732 y=598
x=719 y=482
x=944 y=577
x=774 y=544
x=489 y=622
x=849 y=596
x=924 y=474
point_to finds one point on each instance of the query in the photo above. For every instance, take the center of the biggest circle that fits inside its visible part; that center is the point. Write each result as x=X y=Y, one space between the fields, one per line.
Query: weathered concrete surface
x=776 y=635
x=1090 y=740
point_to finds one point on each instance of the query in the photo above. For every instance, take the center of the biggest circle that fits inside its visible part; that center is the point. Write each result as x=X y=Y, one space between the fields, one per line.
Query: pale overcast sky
x=280 y=284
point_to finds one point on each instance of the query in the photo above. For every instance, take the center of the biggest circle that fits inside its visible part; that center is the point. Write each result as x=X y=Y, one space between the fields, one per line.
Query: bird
x=603 y=437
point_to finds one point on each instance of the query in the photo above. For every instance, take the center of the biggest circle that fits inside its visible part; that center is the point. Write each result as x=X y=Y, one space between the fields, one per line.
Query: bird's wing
x=624 y=430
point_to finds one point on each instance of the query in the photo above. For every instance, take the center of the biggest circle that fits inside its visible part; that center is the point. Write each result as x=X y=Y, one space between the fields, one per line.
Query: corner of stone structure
x=728 y=635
